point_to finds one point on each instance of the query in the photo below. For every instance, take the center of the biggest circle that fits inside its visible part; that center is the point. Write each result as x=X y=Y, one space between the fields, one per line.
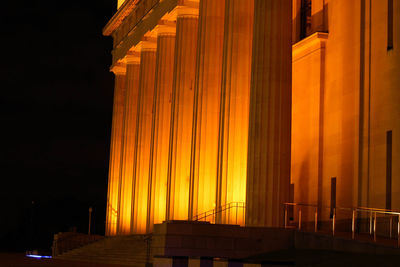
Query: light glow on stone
x=38 y=256
x=120 y=2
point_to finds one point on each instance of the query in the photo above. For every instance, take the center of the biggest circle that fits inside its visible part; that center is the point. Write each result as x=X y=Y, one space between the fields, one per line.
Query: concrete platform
x=184 y=242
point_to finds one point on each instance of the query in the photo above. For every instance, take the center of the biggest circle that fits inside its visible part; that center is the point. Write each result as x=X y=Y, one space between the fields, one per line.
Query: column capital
x=189 y=3
x=118 y=68
x=132 y=57
x=187 y=11
x=148 y=43
x=166 y=28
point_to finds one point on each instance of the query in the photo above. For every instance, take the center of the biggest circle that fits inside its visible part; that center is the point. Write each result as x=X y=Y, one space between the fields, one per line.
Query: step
x=124 y=250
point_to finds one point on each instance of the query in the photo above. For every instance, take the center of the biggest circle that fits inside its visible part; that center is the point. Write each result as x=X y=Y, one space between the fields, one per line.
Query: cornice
x=119 y=17
x=119 y=68
x=309 y=45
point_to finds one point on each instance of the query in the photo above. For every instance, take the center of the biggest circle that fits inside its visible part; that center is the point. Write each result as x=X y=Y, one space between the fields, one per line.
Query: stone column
x=234 y=114
x=182 y=114
x=207 y=106
x=161 y=123
x=268 y=168
x=115 y=149
x=130 y=115
x=143 y=138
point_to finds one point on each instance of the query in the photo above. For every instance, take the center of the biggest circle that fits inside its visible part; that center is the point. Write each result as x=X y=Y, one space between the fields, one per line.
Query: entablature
x=137 y=18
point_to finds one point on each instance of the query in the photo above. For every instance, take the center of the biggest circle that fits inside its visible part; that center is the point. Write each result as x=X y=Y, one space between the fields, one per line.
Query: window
x=390 y=25
x=305 y=19
x=333 y=196
x=389 y=170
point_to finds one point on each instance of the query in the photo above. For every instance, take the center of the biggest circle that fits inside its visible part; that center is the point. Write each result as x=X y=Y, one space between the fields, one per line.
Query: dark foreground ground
x=283 y=258
x=322 y=258
x=20 y=260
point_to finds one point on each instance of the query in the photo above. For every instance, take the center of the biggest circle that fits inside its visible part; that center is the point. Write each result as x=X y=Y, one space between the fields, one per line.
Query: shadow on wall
x=304 y=26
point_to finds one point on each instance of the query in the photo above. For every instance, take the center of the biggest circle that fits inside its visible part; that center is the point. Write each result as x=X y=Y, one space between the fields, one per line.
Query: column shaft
x=182 y=117
x=270 y=114
x=161 y=127
x=115 y=154
x=207 y=106
x=234 y=114
x=143 y=138
x=129 y=136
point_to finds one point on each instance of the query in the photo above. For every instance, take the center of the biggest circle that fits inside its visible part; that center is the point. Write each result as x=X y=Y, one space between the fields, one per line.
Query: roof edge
x=119 y=16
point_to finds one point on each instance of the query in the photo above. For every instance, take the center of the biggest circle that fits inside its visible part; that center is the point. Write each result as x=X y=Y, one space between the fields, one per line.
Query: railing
x=231 y=213
x=369 y=215
x=111 y=222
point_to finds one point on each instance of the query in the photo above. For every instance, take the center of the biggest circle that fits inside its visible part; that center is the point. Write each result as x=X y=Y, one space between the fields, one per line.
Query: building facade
x=224 y=110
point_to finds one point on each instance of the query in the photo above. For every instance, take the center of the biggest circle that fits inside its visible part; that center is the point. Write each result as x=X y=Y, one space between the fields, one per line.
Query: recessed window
x=333 y=196
x=305 y=18
x=390 y=25
x=389 y=170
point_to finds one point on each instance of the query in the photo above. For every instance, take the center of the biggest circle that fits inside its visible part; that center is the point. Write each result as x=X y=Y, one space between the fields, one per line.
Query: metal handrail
x=112 y=209
x=214 y=212
x=354 y=210
x=114 y=212
x=377 y=210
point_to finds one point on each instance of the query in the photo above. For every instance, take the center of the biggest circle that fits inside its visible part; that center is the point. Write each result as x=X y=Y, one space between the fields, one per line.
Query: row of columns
x=189 y=113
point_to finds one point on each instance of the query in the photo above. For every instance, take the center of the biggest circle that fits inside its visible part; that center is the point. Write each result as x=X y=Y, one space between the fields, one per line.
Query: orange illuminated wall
x=327 y=88
x=307 y=118
x=208 y=117
x=383 y=100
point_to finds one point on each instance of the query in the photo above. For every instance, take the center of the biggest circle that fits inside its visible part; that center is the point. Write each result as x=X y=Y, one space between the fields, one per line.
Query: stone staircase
x=122 y=250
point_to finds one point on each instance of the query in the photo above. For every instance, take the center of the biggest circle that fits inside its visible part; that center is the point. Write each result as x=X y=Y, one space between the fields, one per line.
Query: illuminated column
x=129 y=136
x=182 y=114
x=161 y=124
x=207 y=106
x=142 y=157
x=236 y=73
x=115 y=149
x=268 y=166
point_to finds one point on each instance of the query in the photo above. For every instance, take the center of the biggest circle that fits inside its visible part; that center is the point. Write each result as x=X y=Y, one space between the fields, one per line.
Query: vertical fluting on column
x=270 y=114
x=161 y=125
x=143 y=138
x=207 y=107
x=182 y=114
x=128 y=147
x=234 y=114
x=115 y=150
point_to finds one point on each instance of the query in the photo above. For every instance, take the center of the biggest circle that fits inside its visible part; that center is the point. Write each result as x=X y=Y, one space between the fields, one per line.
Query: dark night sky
x=56 y=108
